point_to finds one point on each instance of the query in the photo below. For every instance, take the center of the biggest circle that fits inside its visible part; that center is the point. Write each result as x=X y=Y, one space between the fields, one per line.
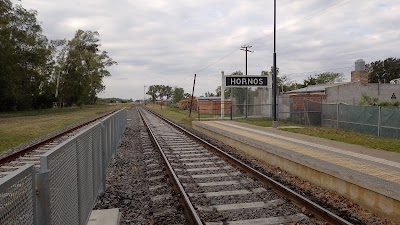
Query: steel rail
x=300 y=200
x=30 y=148
x=190 y=211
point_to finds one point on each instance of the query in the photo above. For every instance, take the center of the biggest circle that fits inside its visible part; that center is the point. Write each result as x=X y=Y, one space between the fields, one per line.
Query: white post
x=270 y=102
x=223 y=96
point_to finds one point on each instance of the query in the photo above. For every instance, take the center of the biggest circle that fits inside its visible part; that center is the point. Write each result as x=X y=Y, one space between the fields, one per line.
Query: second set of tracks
x=217 y=189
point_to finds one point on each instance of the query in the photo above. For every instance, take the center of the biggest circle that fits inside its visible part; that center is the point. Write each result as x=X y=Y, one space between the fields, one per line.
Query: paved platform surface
x=105 y=217
x=372 y=169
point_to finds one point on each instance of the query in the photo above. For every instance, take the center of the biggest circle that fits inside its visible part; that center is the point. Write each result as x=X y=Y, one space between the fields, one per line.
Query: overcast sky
x=168 y=41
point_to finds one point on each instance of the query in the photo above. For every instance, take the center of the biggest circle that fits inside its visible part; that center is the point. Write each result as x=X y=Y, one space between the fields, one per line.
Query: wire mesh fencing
x=373 y=120
x=71 y=176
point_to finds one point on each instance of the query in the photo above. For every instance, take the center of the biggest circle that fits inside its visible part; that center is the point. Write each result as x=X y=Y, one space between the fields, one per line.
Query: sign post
x=242 y=82
x=246 y=81
x=223 y=96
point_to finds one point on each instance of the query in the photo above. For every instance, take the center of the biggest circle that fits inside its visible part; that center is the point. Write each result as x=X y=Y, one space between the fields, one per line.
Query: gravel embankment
x=136 y=183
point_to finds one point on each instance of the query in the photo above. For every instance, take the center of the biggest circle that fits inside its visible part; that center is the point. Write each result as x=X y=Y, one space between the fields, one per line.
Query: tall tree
x=310 y=80
x=328 y=77
x=23 y=57
x=239 y=94
x=209 y=94
x=227 y=92
x=165 y=91
x=84 y=69
x=153 y=92
x=383 y=71
x=177 y=94
x=323 y=78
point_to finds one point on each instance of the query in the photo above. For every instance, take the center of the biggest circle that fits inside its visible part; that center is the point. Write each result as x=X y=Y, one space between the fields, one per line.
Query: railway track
x=31 y=154
x=217 y=189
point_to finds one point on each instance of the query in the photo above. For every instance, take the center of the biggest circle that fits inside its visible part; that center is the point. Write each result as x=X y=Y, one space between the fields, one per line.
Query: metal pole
x=144 y=94
x=245 y=48
x=337 y=115
x=274 y=86
x=246 y=61
x=379 y=121
x=191 y=100
x=247 y=95
x=223 y=95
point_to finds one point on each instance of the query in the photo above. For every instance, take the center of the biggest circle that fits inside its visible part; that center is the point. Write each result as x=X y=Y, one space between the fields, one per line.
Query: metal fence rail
x=373 y=120
x=71 y=176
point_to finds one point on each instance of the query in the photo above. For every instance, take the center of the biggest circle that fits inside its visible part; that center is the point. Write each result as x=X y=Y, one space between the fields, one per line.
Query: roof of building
x=314 y=88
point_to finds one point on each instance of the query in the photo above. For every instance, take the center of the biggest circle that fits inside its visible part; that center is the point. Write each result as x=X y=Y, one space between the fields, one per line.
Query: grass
x=19 y=127
x=263 y=122
x=175 y=114
x=350 y=137
x=387 y=144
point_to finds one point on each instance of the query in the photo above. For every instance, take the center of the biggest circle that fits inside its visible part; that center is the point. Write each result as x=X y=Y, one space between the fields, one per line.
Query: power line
x=318 y=71
x=246 y=49
x=305 y=19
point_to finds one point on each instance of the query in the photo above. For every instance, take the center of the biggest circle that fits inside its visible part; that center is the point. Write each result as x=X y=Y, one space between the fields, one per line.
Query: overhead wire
x=318 y=71
x=305 y=19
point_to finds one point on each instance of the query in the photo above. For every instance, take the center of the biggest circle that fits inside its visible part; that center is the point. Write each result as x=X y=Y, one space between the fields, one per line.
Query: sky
x=168 y=41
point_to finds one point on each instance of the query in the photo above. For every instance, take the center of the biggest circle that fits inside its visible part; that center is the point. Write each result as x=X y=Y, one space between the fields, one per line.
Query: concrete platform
x=367 y=176
x=105 y=217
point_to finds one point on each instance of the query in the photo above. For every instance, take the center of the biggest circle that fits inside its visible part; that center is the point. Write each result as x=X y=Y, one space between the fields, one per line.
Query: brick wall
x=213 y=107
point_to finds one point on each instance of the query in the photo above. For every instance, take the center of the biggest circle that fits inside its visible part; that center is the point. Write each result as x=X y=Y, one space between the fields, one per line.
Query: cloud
x=167 y=42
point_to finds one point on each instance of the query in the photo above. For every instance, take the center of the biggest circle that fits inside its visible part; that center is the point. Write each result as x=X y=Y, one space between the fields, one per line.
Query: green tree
x=153 y=92
x=227 y=92
x=323 y=78
x=84 y=69
x=209 y=94
x=239 y=94
x=383 y=71
x=23 y=57
x=165 y=91
x=177 y=94
x=328 y=77
x=159 y=91
x=311 y=80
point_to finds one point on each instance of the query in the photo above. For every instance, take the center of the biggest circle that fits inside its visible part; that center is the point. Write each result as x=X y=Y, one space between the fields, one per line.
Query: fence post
x=337 y=115
x=379 y=121
x=43 y=213
x=231 y=108
x=103 y=158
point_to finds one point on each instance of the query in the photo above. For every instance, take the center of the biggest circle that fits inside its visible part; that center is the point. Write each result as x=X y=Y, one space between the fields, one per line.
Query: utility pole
x=246 y=49
x=191 y=100
x=144 y=94
x=274 y=86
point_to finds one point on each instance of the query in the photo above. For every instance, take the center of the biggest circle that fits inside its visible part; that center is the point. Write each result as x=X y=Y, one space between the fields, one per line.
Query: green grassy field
x=182 y=116
x=19 y=127
x=175 y=114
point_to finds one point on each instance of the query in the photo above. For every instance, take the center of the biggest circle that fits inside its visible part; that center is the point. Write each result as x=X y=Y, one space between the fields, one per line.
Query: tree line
x=379 y=71
x=36 y=72
x=159 y=91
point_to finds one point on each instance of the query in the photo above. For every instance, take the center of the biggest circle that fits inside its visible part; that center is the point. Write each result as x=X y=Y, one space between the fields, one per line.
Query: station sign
x=245 y=81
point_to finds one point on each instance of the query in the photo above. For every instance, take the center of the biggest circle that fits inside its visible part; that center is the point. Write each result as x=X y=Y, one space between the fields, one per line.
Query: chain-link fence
x=373 y=120
x=71 y=176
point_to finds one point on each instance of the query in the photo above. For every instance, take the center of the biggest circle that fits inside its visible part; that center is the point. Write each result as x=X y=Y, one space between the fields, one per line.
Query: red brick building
x=206 y=105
